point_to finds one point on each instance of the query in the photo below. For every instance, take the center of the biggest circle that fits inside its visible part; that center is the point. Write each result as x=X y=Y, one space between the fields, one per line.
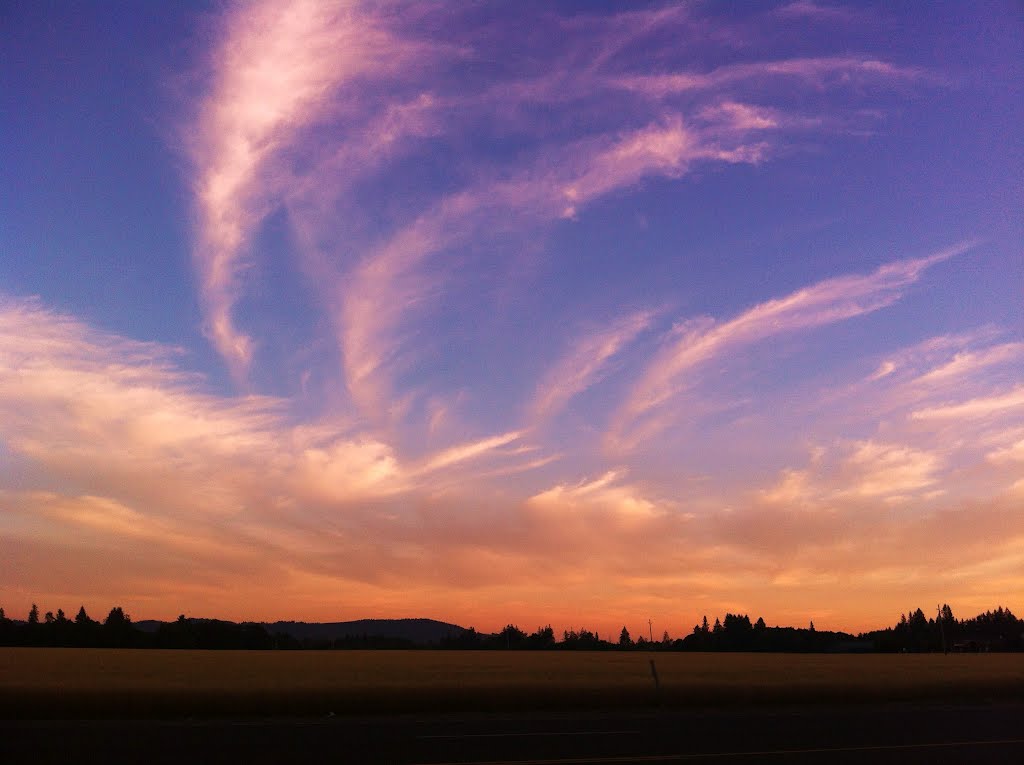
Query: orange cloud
x=132 y=468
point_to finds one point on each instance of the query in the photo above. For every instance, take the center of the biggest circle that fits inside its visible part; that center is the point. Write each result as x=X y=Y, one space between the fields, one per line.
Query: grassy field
x=51 y=682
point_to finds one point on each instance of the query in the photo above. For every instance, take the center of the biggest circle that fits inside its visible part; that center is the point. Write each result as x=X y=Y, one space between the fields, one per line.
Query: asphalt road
x=897 y=733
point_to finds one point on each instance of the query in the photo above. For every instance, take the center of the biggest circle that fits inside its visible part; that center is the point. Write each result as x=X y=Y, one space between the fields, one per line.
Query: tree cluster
x=997 y=630
x=737 y=633
x=510 y=638
x=116 y=631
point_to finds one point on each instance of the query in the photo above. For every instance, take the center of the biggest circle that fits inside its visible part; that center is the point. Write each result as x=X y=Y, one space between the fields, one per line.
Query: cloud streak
x=273 y=75
x=696 y=342
x=978 y=407
x=128 y=454
x=309 y=102
x=449 y=255
x=820 y=72
x=456 y=454
x=585 y=364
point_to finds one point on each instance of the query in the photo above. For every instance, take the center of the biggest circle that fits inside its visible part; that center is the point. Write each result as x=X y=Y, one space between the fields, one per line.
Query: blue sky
x=691 y=307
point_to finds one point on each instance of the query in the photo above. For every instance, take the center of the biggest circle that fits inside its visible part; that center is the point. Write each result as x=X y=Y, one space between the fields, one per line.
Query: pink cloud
x=970 y=362
x=1008 y=454
x=309 y=106
x=657 y=149
x=889 y=470
x=984 y=406
x=464 y=452
x=282 y=71
x=833 y=70
x=393 y=283
x=808 y=10
x=274 y=74
x=585 y=363
x=929 y=372
x=182 y=497
x=697 y=342
x=739 y=116
x=605 y=494
x=885 y=369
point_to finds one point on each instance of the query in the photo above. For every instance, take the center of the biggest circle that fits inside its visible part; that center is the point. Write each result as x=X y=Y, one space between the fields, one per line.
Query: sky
x=576 y=313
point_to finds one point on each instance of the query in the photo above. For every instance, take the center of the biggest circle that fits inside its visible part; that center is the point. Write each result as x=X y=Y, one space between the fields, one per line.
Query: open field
x=54 y=682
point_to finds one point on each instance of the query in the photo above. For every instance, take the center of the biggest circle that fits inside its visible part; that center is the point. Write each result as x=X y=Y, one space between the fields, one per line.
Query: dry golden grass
x=101 y=682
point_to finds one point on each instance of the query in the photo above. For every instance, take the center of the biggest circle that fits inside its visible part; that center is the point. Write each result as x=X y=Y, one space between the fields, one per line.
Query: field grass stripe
x=528 y=734
x=721 y=755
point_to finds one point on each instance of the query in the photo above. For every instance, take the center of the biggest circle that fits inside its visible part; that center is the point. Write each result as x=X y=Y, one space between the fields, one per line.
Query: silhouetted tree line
x=997 y=630
x=737 y=633
x=116 y=631
x=510 y=638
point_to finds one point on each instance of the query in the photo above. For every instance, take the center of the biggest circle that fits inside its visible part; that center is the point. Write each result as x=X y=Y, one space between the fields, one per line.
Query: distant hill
x=419 y=631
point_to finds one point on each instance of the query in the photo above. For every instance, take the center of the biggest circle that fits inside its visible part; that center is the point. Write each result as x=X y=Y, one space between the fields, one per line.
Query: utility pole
x=650 y=630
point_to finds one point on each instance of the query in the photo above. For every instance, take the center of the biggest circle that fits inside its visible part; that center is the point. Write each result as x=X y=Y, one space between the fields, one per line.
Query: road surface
x=896 y=733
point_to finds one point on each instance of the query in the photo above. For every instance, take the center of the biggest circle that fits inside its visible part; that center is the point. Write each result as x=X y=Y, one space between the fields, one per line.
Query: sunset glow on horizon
x=570 y=313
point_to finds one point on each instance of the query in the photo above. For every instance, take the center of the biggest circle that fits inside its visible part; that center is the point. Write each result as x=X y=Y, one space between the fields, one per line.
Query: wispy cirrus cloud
x=971 y=362
x=1009 y=454
x=983 y=406
x=109 y=387
x=585 y=363
x=809 y=10
x=130 y=454
x=654 y=150
x=125 y=448
x=309 y=102
x=819 y=72
x=274 y=74
x=395 y=284
x=596 y=507
x=931 y=371
x=698 y=341
x=741 y=116
x=401 y=280
x=463 y=452
x=891 y=471
x=438 y=178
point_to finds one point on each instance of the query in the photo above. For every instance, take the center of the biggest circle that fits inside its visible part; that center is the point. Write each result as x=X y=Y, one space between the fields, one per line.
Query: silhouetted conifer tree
x=511 y=637
x=736 y=624
x=118 y=630
x=543 y=638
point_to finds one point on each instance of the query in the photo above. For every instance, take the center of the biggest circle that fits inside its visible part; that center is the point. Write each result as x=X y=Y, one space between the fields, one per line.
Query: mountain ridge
x=420 y=631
